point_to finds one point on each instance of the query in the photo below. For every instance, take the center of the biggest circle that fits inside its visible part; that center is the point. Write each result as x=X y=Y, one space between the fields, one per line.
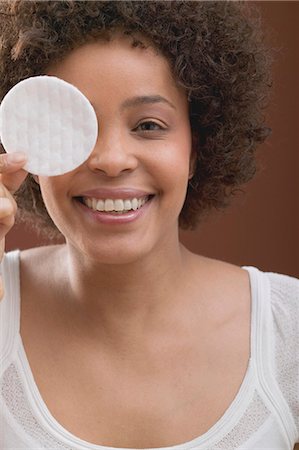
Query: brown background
x=262 y=226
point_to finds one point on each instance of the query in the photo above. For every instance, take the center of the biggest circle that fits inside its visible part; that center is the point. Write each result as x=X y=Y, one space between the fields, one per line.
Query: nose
x=112 y=154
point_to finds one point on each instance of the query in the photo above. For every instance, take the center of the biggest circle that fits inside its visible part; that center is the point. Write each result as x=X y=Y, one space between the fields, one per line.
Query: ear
x=192 y=163
x=193 y=155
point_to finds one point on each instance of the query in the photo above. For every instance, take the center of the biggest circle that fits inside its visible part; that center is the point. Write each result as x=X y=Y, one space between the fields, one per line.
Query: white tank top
x=263 y=415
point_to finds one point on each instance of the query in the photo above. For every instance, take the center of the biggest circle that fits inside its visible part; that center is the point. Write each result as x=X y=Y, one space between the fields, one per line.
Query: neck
x=121 y=300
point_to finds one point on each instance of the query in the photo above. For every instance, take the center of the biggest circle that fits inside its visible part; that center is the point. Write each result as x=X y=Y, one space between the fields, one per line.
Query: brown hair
x=215 y=51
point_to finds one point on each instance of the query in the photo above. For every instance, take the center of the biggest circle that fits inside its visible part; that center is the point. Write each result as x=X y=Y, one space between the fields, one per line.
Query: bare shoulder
x=38 y=256
x=37 y=265
x=38 y=252
x=218 y=273
x=223 y=287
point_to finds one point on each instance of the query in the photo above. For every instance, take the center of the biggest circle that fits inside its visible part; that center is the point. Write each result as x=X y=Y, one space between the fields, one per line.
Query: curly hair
x=215 y=50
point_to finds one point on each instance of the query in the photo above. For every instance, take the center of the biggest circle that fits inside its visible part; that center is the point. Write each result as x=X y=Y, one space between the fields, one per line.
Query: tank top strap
x=9 y=307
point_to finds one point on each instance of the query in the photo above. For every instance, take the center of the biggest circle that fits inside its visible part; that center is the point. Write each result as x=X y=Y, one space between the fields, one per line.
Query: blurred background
x=261 y=228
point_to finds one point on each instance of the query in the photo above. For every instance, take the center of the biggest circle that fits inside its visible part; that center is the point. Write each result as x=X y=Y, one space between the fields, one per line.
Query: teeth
x=118 y=205
x=100 y=206
x=127 y=205
x=94 y=203
x=134 y=204
x=109 y=205
x=88 y=202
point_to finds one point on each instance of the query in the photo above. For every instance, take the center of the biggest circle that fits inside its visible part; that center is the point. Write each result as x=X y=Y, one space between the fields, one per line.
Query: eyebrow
x=145 y=100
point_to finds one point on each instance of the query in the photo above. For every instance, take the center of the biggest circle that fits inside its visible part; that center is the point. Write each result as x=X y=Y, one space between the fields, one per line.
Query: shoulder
x=39 y=269
x=222 y=288
x=9 y=305
x=33 y=256
x=284 y=288
x=283 y=293
x=284 y=301
x=284 y=297
x=37 y=263
x=219 y=273
x=279 y=298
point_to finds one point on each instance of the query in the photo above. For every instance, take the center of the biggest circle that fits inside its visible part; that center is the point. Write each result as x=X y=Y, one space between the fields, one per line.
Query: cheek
x=51 y=194
x=171 y=168
x=174 y=162
x=59 y=209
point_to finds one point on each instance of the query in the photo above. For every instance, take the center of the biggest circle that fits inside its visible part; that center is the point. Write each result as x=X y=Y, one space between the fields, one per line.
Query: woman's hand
x=11 y=177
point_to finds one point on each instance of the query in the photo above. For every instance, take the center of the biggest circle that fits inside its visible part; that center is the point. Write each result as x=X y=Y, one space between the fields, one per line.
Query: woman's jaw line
x=139 y=284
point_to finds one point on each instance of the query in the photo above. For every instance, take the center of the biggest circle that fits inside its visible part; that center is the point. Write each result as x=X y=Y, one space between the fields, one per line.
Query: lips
x=120 y=201
x=115 y=210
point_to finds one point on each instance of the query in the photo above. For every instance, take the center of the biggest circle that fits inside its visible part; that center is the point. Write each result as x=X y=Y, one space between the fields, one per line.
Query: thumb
x=12 y=181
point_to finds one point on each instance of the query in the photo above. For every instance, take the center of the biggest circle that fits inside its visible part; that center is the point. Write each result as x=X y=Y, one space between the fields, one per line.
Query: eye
x=149 y=126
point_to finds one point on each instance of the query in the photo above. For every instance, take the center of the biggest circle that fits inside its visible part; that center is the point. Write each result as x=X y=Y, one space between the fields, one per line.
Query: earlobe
x=192 y=164
x=193 y=156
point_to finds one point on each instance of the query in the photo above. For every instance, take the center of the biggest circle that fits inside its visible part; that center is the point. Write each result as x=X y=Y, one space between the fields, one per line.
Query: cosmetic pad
x=51 y=121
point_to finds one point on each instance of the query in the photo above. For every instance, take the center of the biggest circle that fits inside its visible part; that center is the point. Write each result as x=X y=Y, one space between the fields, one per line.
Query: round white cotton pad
x=51 y=121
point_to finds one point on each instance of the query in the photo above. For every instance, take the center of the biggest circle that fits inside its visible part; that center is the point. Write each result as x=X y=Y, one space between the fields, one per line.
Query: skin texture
x=11 y=177
x=156 y=330
x=127 y=307
x=156 y=161
x=215 y=51
x=100 y=256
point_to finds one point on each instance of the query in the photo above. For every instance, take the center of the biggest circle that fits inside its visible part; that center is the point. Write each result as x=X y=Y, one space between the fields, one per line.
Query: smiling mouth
x=115 y=207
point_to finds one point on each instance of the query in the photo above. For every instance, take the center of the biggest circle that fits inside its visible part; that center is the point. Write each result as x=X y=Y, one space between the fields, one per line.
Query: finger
x=6 y=222
x=9 y=162
x=3 y=232
x=11 y=173
x=7 y=215
x=2 y=247
x=1 y=288
x=7 y=206
x=12 y=181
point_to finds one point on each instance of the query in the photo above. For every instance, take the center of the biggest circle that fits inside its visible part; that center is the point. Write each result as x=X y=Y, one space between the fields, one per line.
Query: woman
x=121 y=337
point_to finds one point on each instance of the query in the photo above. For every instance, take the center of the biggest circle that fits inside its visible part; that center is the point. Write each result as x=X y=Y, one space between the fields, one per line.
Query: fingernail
x=17 y=157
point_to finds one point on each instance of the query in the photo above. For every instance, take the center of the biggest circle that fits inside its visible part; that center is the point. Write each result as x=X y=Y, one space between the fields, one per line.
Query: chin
x=111 y=253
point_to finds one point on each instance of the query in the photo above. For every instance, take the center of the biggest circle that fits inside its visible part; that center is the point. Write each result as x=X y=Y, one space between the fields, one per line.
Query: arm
x=11 y=177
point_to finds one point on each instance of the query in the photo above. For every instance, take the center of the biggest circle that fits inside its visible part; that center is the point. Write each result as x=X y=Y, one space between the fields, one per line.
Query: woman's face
x=142 y=151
